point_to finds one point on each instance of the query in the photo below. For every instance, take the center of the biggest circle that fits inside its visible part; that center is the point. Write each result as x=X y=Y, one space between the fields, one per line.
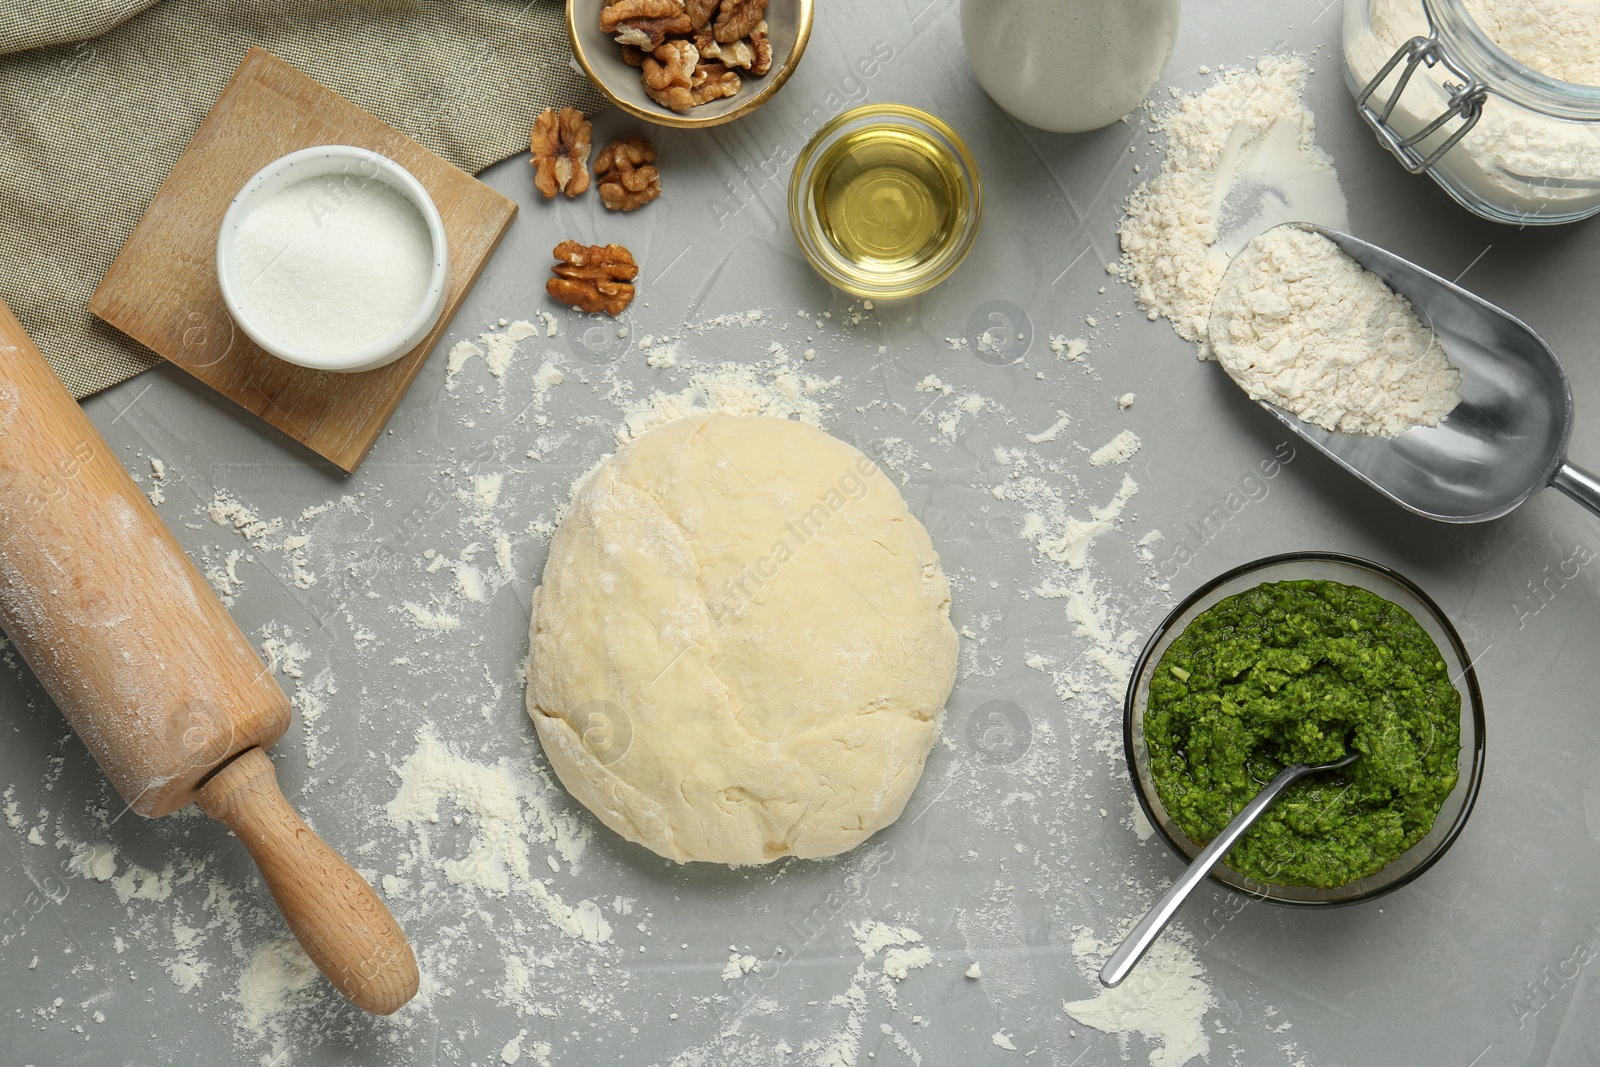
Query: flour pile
x=1164 y=1000
x=1247 y=135
x=1301 y=325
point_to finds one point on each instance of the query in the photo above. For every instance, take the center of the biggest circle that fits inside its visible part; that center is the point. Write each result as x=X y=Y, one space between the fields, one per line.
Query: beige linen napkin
x=98 y=99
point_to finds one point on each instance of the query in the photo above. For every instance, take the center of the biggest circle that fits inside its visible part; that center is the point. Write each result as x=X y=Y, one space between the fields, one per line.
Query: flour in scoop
x=330 y=267
x=1300 y=324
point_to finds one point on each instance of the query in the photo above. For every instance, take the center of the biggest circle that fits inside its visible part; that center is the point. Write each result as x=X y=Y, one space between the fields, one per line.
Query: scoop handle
x=1579 y=484
x=334 y=913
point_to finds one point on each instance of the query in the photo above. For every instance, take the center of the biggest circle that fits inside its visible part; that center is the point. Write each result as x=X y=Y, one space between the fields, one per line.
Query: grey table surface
x=1003 y=856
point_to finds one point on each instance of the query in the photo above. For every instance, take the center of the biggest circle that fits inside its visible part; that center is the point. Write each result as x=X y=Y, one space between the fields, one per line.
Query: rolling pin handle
x=338 y=919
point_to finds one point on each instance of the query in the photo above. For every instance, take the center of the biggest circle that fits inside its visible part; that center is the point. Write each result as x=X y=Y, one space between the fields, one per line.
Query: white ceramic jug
x=1068 y=65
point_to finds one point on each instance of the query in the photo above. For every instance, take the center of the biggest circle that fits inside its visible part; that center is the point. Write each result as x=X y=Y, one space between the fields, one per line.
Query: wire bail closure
x=1466 y=102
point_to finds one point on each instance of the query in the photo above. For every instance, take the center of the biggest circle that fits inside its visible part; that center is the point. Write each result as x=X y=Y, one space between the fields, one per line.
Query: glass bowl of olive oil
x=885 y=201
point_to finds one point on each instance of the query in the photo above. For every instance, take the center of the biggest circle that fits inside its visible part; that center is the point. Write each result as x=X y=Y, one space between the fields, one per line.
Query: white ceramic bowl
x=315 y=163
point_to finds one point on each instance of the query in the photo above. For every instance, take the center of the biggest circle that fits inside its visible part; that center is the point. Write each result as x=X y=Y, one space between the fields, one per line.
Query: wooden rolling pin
x=155 y=676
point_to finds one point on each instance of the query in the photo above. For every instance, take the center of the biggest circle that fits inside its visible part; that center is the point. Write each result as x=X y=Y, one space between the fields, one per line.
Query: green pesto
x=1303 y=672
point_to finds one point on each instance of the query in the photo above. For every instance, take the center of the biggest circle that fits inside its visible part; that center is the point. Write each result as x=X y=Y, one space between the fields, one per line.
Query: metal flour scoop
x=1505 y=441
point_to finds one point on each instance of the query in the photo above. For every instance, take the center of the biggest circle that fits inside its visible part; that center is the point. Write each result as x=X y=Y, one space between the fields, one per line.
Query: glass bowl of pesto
x=1292 y=659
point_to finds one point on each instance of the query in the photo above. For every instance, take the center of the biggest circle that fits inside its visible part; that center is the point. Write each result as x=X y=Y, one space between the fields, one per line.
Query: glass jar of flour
x=1497 y=100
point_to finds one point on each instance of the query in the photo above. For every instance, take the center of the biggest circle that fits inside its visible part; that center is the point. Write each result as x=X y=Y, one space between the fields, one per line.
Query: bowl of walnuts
x=689 y=63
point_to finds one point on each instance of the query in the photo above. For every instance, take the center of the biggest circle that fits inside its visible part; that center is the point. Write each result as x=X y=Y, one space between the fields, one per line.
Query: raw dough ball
x=742 y=646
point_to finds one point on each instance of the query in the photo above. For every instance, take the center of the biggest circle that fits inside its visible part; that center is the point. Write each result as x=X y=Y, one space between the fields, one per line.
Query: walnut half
x=737 y=19
x=753 y=53
x=668 y=75
x=560 y=144
x=701 y=12
x=625 y=176
x=713 y=81
x=645 y=23
x=593 y=278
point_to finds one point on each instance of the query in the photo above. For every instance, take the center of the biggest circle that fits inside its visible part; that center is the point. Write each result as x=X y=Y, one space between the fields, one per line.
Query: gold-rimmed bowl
x=788 y=30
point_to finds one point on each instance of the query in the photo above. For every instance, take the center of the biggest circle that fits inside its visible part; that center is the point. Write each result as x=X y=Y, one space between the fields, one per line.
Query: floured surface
x=411 y=750
x=517 y=896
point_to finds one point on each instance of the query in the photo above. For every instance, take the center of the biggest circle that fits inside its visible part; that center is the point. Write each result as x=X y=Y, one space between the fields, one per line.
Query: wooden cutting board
x=162 y=289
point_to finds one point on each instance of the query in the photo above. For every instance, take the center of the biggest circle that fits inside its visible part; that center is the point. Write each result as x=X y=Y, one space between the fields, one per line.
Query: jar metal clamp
x=1466 y=101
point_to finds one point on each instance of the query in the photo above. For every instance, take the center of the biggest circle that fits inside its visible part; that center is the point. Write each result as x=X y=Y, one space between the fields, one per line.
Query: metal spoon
x=1139 y=940
x=1503 y=443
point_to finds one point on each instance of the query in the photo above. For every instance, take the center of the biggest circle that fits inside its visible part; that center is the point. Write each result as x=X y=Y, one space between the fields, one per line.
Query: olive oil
x=888 y=199
x=885 y=201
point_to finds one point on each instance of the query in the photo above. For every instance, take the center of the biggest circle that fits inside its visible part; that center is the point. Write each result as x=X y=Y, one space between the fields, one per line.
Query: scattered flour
x=187 y=969
x=1119 y=449
x=1049 y=434
x=94 y=861
x=139 y=883
x=739 y=965
x=735 y=389
x=873 y=937
x=1164 y=1000
x=279 y=975
x=899 y=962
x=1071 y=546
x=283 y=654
x=294 y=548
x=158 y=475
x=278 y=984
x=513 y=1050
x=903 y=951
x=1069 y=348
x=508 y=808
x=902 y=948
x=486 y=489
x=459 y=354
x=225 y=510
x=497 y=349
x=428 y=619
